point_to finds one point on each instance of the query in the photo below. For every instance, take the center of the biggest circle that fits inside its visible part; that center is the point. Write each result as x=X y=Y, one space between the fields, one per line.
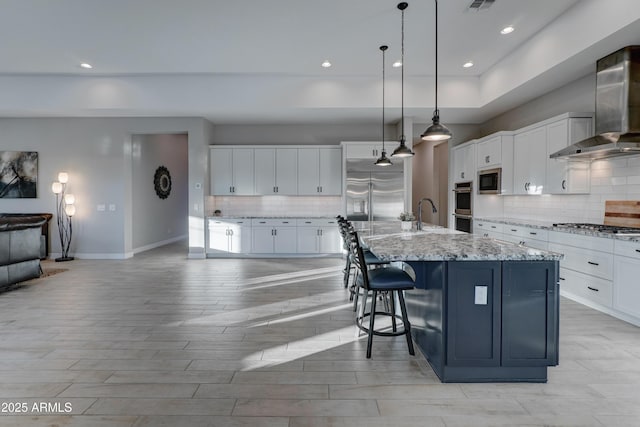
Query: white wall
x=97 y=154
x=155 y=220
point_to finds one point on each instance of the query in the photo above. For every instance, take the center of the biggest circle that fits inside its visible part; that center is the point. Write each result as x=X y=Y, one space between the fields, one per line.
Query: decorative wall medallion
x=162 y=182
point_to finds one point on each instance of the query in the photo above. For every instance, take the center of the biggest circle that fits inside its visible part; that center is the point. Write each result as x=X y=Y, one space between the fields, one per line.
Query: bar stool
x=387 y=281
x=370 y=260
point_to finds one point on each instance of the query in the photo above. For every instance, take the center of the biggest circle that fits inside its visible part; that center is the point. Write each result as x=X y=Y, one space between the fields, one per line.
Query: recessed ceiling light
x=86 y=65
x=507 y=30
x=326 y=63
x=397 y=64
x=468 y=64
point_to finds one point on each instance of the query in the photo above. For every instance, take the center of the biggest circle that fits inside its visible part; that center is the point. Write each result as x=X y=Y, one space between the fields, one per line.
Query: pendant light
x=402 y=150
x=383 y=160
x=437 y=131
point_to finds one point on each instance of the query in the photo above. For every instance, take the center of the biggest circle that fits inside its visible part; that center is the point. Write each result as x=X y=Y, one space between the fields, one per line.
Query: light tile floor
x=159 y=340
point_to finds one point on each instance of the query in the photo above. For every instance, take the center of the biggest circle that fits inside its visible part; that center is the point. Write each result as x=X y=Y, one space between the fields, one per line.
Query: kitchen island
x=482 y=310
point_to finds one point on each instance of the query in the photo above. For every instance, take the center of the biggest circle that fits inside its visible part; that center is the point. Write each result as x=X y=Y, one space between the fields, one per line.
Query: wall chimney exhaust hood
x=617 y=109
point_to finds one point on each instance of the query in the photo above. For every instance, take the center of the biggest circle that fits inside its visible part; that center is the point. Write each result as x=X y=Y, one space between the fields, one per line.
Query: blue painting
x=18 y=174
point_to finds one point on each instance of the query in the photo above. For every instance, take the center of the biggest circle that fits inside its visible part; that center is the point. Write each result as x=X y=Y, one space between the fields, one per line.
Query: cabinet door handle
x=493 y=226
x=564 y=184
x=320 y=188
x=592 y=263
x=462 y=175
x=562 y=278
x=638 y=250
x=230 y=232
x=513 y=230
x=487 y=159
x=533 y=233
x=593 y=289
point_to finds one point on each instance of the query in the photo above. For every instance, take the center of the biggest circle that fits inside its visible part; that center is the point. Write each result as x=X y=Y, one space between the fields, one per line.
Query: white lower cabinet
x=488 y=229
x=274 y=236
x=587 y=287
x=318 y=236
x=626 y=272
x=228 y=236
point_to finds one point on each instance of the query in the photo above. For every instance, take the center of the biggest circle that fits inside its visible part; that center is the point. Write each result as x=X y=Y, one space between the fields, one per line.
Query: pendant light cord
x=383 y=49
x=436 y=113
x=402 y=137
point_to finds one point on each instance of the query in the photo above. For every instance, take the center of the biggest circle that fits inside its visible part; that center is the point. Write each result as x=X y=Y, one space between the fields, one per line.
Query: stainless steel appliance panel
x=387 y=195
x=373 y=194
x=463 y=198
x=358 y=196
x=490 y=181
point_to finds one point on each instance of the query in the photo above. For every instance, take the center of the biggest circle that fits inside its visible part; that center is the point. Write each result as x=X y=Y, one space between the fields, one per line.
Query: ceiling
x=256 y=61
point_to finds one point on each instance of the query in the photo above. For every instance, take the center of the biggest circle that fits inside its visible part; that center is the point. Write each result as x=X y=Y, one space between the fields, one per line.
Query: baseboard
x=81 y=255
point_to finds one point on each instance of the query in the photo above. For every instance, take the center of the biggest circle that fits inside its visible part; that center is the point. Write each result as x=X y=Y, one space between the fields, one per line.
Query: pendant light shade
x=383 y=160
x=437 y=131
x=402 y=150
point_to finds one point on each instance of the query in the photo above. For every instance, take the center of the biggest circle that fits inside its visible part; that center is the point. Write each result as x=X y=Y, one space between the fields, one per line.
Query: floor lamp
x=65 y=204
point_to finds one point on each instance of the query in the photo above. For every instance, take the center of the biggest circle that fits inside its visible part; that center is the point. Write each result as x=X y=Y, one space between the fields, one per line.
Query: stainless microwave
x=489 y=181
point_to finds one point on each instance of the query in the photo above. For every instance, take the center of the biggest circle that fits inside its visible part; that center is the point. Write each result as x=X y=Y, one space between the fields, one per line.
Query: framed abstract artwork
x=18 y=174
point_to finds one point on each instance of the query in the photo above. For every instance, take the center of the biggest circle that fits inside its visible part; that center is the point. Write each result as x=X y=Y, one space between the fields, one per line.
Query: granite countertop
x=270 y=217
x=435 y=243
x=549 y=226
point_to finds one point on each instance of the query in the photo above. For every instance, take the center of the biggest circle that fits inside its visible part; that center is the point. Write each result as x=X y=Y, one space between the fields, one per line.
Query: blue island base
x=486 y=321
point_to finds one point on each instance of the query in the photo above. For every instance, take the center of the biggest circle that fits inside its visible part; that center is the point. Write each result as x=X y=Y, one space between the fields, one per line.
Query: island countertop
x=434 y=243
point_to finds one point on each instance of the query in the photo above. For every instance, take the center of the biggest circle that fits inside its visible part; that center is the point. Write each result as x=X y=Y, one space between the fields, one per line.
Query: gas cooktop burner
x=601 y=228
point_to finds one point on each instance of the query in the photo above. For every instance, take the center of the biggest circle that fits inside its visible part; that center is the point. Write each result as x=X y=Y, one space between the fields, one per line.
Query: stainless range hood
x=617 y=109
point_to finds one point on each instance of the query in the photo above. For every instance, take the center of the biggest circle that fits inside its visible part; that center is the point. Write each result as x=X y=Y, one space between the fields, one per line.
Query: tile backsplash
x=611 y=179
x=269 y=206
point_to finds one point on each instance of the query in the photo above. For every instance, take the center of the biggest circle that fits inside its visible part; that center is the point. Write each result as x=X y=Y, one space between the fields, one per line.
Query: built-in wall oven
x=463 y=193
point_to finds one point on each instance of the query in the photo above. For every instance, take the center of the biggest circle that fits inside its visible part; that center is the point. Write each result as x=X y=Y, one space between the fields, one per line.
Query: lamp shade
x=402 y=150
x=69 y=199
x=56 y=187
x=436 y=132
x=383 y=160
x=63 y=177
x=70 y=210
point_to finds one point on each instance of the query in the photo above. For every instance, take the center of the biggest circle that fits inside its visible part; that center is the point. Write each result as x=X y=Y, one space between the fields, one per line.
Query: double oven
x=462 y=214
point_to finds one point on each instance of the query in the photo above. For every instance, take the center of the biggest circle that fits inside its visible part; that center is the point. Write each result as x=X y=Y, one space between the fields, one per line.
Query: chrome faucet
x=433 y=209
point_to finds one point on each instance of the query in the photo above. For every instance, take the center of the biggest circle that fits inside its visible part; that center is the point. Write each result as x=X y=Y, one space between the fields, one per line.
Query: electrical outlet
x=102 y=208
x=481 y=295
x=112 y=207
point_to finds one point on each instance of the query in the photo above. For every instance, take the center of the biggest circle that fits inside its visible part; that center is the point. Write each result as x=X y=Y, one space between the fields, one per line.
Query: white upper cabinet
x=464 y=162
x=320 y=171
x=489 y=153
x=276 y=171
x=366 y=150
x=564 y=176
x=231 y=171
x=530 y=161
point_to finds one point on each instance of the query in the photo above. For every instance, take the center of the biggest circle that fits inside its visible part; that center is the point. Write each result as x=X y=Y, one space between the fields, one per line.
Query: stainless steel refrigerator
x=374 y=193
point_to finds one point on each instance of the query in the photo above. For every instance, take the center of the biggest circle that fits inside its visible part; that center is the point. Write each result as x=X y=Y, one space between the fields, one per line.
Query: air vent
x=477 y=5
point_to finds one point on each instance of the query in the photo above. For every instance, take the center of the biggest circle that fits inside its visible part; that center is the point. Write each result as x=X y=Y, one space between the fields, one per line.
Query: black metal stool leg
x=371 y=322
x=393 y=311
x=407 y=325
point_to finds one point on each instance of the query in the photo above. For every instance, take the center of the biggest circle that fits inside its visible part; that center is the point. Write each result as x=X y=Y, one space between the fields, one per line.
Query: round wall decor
x=162 y=182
